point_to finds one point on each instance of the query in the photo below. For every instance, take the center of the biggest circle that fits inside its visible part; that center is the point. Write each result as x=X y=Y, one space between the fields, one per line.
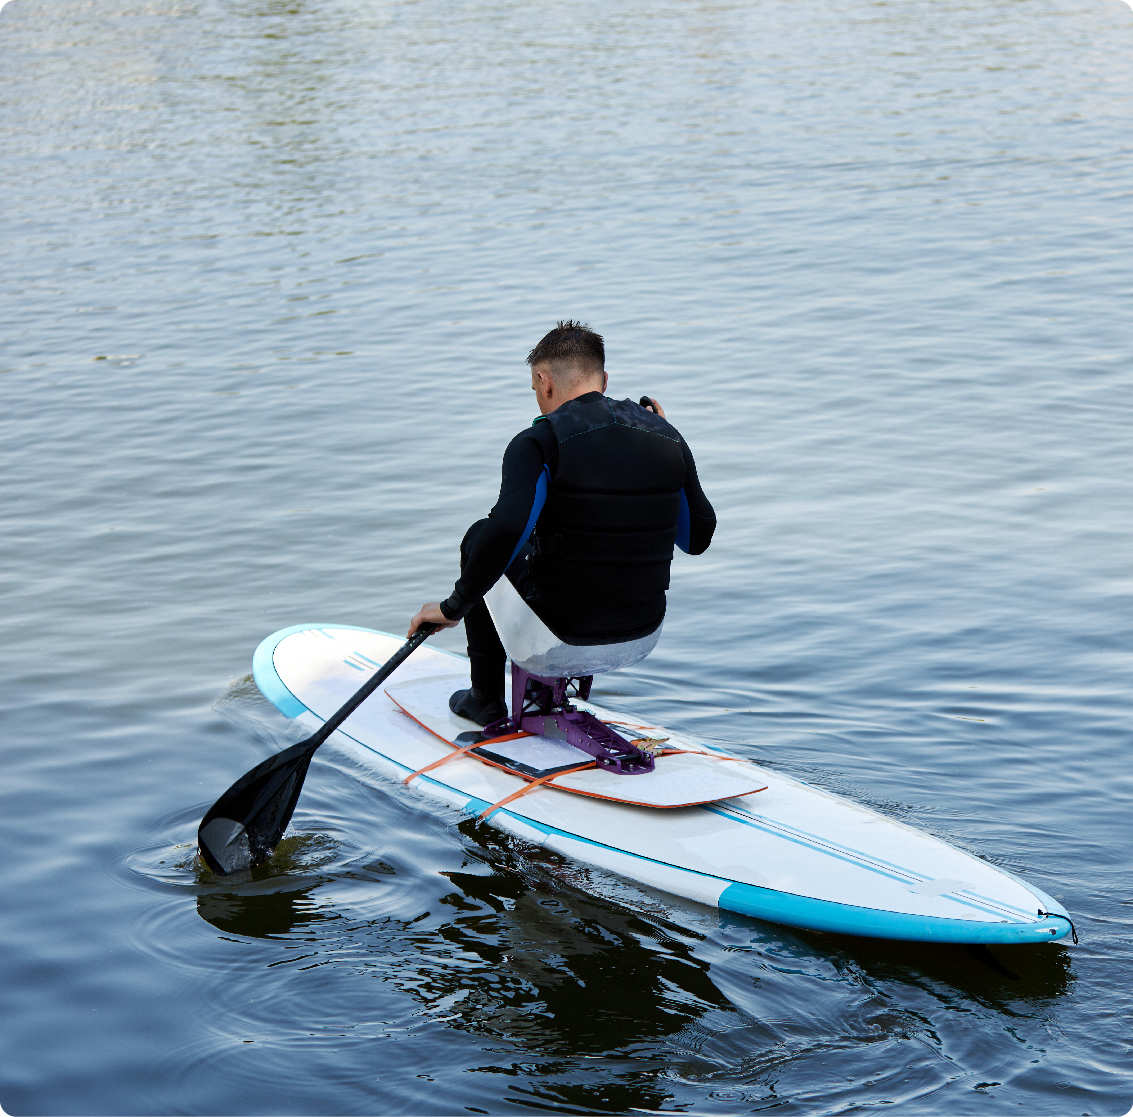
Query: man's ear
x=605 y=381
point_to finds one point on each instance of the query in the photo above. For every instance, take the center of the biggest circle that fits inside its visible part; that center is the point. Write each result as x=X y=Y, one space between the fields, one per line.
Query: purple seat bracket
x=542 y=706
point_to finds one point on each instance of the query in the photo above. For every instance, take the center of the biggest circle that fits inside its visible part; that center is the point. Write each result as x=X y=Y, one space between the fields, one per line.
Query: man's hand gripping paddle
x=245 y=824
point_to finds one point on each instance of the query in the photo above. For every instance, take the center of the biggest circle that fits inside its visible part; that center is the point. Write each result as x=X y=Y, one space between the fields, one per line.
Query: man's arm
x=496 y=541
x=698 y=518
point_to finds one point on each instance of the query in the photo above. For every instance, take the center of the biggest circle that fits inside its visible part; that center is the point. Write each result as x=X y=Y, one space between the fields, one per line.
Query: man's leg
x=486 y=656
x=485 y=653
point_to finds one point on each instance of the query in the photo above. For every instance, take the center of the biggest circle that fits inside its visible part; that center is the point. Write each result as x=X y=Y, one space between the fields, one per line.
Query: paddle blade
x=245 y=824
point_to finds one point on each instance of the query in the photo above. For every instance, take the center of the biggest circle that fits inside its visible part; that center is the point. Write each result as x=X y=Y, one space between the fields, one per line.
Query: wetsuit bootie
x=472 y=704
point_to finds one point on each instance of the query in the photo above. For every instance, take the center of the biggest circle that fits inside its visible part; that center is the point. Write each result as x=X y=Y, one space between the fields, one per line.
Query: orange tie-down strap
x=460 y=752
x=542 y=780
x=644 y=742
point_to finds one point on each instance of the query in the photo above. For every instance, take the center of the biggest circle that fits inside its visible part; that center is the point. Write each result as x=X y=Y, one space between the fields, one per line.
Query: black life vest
x=604 y=540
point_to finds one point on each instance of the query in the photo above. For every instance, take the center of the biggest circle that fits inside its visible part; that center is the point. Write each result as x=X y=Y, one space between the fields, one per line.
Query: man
x=594 y=495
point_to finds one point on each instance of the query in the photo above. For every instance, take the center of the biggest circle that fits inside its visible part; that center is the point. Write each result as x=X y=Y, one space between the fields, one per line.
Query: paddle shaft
x=372 y=683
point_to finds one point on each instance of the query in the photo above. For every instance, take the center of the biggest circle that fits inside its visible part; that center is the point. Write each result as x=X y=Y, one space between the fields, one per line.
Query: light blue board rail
x=744 y=899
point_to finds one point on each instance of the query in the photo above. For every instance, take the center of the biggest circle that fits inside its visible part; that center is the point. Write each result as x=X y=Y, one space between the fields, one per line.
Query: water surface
x=270 y=270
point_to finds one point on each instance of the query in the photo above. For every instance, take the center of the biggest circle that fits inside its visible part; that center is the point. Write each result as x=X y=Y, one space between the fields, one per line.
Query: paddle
x=245 y=824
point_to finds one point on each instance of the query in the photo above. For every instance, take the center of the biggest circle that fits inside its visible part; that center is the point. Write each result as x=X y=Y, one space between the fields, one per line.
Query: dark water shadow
x=1008 y=980
x=1001 y=978
x=596 y=994
x=275 y=915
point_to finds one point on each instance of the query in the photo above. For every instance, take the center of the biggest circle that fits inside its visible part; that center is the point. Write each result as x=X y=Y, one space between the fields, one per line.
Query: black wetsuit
x=594 y=497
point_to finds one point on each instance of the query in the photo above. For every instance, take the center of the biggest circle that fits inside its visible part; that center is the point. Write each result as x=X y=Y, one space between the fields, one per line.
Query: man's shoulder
x=628 y=413
x=598 y=412
x=539 y=433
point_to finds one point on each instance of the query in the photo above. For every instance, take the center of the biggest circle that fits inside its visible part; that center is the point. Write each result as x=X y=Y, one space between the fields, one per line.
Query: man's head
x=569 y=362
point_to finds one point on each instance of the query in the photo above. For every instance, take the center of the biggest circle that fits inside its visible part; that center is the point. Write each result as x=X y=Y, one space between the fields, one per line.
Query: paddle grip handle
x=373 y=682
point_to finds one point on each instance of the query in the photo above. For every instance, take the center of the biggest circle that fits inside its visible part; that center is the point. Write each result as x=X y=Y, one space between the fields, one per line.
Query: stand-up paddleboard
x=705 y=824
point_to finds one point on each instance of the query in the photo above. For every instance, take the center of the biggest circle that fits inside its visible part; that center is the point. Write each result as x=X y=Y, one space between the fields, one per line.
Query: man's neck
x=595 y=392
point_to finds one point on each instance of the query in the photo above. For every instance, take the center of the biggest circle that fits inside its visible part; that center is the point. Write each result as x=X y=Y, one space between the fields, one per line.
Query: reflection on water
x=260 y=916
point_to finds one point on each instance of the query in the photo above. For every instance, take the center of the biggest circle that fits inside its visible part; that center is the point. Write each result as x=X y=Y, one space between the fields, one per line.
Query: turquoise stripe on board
x=846 y=919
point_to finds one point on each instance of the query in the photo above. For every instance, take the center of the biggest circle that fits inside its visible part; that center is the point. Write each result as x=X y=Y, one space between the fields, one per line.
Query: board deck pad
x=536 y=757
x=679 y=780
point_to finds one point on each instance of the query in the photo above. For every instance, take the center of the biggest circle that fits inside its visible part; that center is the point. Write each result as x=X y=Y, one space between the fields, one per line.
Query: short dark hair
x=573 y=343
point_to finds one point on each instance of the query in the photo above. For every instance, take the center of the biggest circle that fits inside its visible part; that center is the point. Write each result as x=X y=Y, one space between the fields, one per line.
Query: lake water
x=270 y=270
